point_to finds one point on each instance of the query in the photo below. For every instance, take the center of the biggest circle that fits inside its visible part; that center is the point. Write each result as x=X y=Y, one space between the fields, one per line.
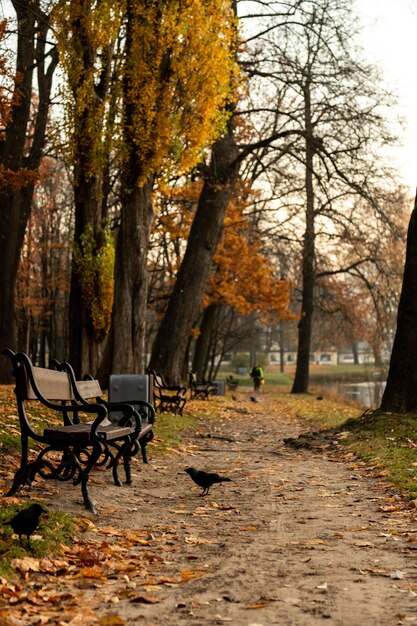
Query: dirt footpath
x=299 y=537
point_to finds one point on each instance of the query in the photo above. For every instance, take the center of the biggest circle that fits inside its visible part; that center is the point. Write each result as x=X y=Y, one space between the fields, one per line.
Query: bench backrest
x=158 y=380
x=40 y=383
x=89 y=389
x=51 y=384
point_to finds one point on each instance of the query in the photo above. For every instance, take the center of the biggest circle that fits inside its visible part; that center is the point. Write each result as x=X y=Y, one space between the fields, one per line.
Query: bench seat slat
x=81 y=432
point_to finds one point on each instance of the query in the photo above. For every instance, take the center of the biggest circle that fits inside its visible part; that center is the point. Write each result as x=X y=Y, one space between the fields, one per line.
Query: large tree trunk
x=172 y=337
x=90 y=170
x=125 y=350
x=400 y=395
x=84 y=350
x=10 y=246
x=202 y=345
x=300 y=384
x=14 y=156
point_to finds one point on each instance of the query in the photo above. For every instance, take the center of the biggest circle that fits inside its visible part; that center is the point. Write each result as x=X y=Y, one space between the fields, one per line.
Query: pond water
x=367 y=394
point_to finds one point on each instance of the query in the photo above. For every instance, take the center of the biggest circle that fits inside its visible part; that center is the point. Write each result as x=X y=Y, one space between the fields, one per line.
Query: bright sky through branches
x=389 y=39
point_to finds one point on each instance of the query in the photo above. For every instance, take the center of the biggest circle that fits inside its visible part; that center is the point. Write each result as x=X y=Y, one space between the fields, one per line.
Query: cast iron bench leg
x=143 y=450
x=86 y=496
x=85 y=474
x=128 y=471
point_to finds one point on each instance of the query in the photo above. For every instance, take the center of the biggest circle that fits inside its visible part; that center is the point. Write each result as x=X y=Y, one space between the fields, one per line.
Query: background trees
x=320 y=89
x=24 y=122
x=251 y=180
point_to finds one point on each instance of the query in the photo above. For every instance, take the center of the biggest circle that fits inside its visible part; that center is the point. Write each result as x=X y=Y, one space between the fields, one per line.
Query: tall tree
x=242 y=277
x=177 y=74
x=88 y=33
x=400 y=395
x=318 y=83
x=21 y=146
x=219 y=179
x=169 y=348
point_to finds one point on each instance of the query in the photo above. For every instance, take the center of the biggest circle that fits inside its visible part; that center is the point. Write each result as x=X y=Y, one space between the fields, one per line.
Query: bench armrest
x=143 y=409
x=175 y=388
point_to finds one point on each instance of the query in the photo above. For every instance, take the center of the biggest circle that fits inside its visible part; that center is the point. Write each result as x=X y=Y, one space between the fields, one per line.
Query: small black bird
x=205 y=479
x=26 y=522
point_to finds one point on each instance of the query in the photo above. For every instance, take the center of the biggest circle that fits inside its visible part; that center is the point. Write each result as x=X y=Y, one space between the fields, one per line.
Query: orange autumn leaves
x=244 y=278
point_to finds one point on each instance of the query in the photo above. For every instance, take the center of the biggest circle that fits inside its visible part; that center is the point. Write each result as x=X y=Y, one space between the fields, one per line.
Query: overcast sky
x=390 y=38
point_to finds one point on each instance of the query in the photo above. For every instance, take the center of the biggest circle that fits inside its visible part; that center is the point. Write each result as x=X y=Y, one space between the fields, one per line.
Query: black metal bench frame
x=81 y=445
x=200 y=388
x=167 y=398
x=89 y=388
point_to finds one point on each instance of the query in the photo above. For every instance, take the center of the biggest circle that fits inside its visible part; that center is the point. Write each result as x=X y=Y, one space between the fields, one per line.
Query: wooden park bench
x=232 y=383
x=70 y=449
x=167 y=398
x=200 y=388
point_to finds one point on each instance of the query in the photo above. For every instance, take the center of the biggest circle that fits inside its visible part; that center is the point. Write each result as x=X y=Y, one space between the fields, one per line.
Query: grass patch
x=170 y=429
x=271 y=378
x=54 y=529
x=276 y=378
x=344 y=373
x=315 y=411
x=388 y=441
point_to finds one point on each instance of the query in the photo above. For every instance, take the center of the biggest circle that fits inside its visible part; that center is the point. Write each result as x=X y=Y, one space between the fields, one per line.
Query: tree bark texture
x=203 y=343
x=84 y=350
x=125 y=349
x=89 y=197
x=400 y=395
x=183 y=307
x=17 y=152
x=301 y=378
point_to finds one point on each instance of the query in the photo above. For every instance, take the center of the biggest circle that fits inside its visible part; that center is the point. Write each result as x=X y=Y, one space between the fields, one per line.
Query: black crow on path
x=205 y=479
x=26 y=521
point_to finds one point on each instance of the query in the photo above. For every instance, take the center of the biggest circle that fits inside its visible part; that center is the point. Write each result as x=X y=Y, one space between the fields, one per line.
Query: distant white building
x=326 y=357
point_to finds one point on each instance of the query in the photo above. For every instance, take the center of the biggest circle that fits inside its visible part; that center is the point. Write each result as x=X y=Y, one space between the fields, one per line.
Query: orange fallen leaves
x=26 y=564
x=95 y=572
x=8 y=619
x=111 y=620
x=145 y=599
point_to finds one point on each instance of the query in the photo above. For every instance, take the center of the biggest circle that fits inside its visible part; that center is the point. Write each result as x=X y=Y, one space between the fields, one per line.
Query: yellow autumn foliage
x=94 y=265
x=86 y=33
x=178 y=70
x=179 y=77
